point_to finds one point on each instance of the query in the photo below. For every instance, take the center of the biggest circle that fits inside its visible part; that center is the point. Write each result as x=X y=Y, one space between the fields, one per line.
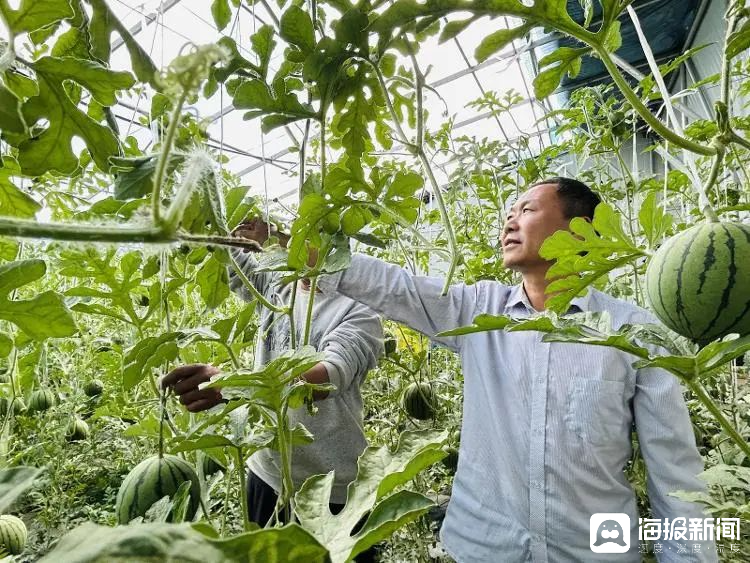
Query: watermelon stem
x=700 y=392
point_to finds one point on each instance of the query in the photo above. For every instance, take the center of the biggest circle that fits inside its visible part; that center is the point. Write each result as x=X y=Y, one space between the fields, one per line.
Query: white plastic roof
x=263 y=161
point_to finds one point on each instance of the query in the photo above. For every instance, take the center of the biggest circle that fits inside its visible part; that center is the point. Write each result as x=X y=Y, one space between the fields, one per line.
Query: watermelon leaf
x=13 y=482
x=380 y=472
x=584 y=254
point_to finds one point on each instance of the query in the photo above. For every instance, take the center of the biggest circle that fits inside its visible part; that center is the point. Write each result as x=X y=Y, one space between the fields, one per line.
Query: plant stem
x=644 y=112
x=166 y=149
x=240 y=460
x=700 y=391
x=251 y=288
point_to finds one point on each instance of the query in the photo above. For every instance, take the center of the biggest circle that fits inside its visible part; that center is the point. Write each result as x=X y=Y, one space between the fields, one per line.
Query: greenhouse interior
x=387 y=280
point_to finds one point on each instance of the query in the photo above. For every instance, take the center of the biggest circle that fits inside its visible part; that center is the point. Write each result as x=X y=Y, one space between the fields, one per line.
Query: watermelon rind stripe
x=708 y=261
x=679 y=304
x=746 y=310
x=660 y=288
x=709 y=331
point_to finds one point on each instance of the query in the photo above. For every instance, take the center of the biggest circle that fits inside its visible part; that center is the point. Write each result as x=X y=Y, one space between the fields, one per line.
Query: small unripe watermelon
x=418 y=401
x=18 y=406
x=77 y=430
x=210 y=465
x=450 y=462
x=41 y=400
x=698 y=282
x=93 y=388
x=13 y=534
x=151 y=480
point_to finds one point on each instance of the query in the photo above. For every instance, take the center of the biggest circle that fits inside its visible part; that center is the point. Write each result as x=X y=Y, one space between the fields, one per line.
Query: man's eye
x=525 y=209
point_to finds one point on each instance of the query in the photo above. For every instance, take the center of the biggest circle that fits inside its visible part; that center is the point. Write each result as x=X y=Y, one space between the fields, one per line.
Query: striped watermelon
x=77 y=430
x=419 y=401
x=41 y=400
x=151 y=480
x=13 y=534
x=698 y=282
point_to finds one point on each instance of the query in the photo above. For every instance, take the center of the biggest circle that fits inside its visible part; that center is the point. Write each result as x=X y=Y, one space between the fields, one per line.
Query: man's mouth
x=510 y=244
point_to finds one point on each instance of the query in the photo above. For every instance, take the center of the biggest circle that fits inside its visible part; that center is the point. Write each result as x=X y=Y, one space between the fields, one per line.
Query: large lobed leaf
x=34 y=14
x=44 y=315
x=52 y=150
x=380 y=471
x=13 y=482
x=584 y=254
x=137 y=543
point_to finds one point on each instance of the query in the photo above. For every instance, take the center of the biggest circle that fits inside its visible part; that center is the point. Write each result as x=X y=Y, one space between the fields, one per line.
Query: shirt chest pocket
x=596 y=412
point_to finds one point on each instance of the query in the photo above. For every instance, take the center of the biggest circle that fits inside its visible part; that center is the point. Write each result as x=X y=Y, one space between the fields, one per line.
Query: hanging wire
x=159 y=15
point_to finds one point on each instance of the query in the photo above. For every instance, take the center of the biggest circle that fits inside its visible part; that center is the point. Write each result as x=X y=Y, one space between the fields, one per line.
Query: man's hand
x=185 y=380
x=258 y=230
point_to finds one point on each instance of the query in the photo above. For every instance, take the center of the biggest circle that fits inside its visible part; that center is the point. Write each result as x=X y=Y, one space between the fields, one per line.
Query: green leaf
x=34 y=14
x=586 y=253
x=8 y=249
x=213 y=280
x=237 y=64
x=134 y=176
x=13 y=482
x=482 y=323
x=43 y=316
x=263 y=45
x=296 y=28
x=498 y=40
x=567 y=60
x=11 y=118
x=103 y=24
x=738 y=41
x=453 y=28
x=613 y=39
x=380 y=471
x=52 y=149
x=221 y=13
x=267 y=386
x=404 y=184
x=654 y=220
x=14 y=202
x=255 y=94
x=6 y=345
x=391 y=514
x=288 y=544
x=147 y=354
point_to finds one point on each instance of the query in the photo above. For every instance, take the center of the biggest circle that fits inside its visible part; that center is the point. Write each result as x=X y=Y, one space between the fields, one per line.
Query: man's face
x=536 y=215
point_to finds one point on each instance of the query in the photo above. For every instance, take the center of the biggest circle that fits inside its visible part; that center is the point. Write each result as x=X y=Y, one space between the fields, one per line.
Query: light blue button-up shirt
x=546 y=429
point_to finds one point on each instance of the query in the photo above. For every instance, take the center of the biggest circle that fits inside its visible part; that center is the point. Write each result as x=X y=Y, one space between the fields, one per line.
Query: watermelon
x=450 y=462
x=18 y=405
x=41 y=400
x=209 y=464
x=418 y=401
x=13 y=534
x=698 y=282
x=77 y=430
x=93 y=388
x=153 y=478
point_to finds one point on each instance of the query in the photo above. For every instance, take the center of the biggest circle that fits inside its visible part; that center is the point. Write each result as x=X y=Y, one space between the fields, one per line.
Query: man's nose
x=510 y=226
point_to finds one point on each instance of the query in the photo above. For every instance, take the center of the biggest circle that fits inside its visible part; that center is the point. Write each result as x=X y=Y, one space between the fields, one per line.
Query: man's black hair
x=577 y=198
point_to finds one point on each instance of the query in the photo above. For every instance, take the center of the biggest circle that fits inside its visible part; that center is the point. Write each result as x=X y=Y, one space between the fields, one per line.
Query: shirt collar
x=518 y=297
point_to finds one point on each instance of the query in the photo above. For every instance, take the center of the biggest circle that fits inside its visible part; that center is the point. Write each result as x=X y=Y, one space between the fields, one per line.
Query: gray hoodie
x=351 y=337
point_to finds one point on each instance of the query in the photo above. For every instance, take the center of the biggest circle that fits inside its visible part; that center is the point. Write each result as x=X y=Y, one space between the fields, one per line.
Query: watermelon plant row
x=89 y=323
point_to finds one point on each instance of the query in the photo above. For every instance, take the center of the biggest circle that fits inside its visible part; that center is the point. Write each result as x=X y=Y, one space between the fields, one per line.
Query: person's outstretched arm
x=415 y=301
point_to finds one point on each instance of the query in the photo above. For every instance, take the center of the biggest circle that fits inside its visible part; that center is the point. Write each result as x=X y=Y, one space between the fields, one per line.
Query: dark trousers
x=261 y=501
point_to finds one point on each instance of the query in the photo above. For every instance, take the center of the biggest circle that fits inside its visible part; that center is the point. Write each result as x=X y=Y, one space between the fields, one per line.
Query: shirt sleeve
x=262 y=281
x=415 y=301
x=353 y=347
x=666 y=438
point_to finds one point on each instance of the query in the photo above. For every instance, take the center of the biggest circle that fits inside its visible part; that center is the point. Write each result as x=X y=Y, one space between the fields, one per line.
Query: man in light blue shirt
x=546 y=430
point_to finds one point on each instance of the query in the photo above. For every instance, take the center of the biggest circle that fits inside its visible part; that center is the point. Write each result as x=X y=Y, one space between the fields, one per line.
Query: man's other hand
x=185 y=380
